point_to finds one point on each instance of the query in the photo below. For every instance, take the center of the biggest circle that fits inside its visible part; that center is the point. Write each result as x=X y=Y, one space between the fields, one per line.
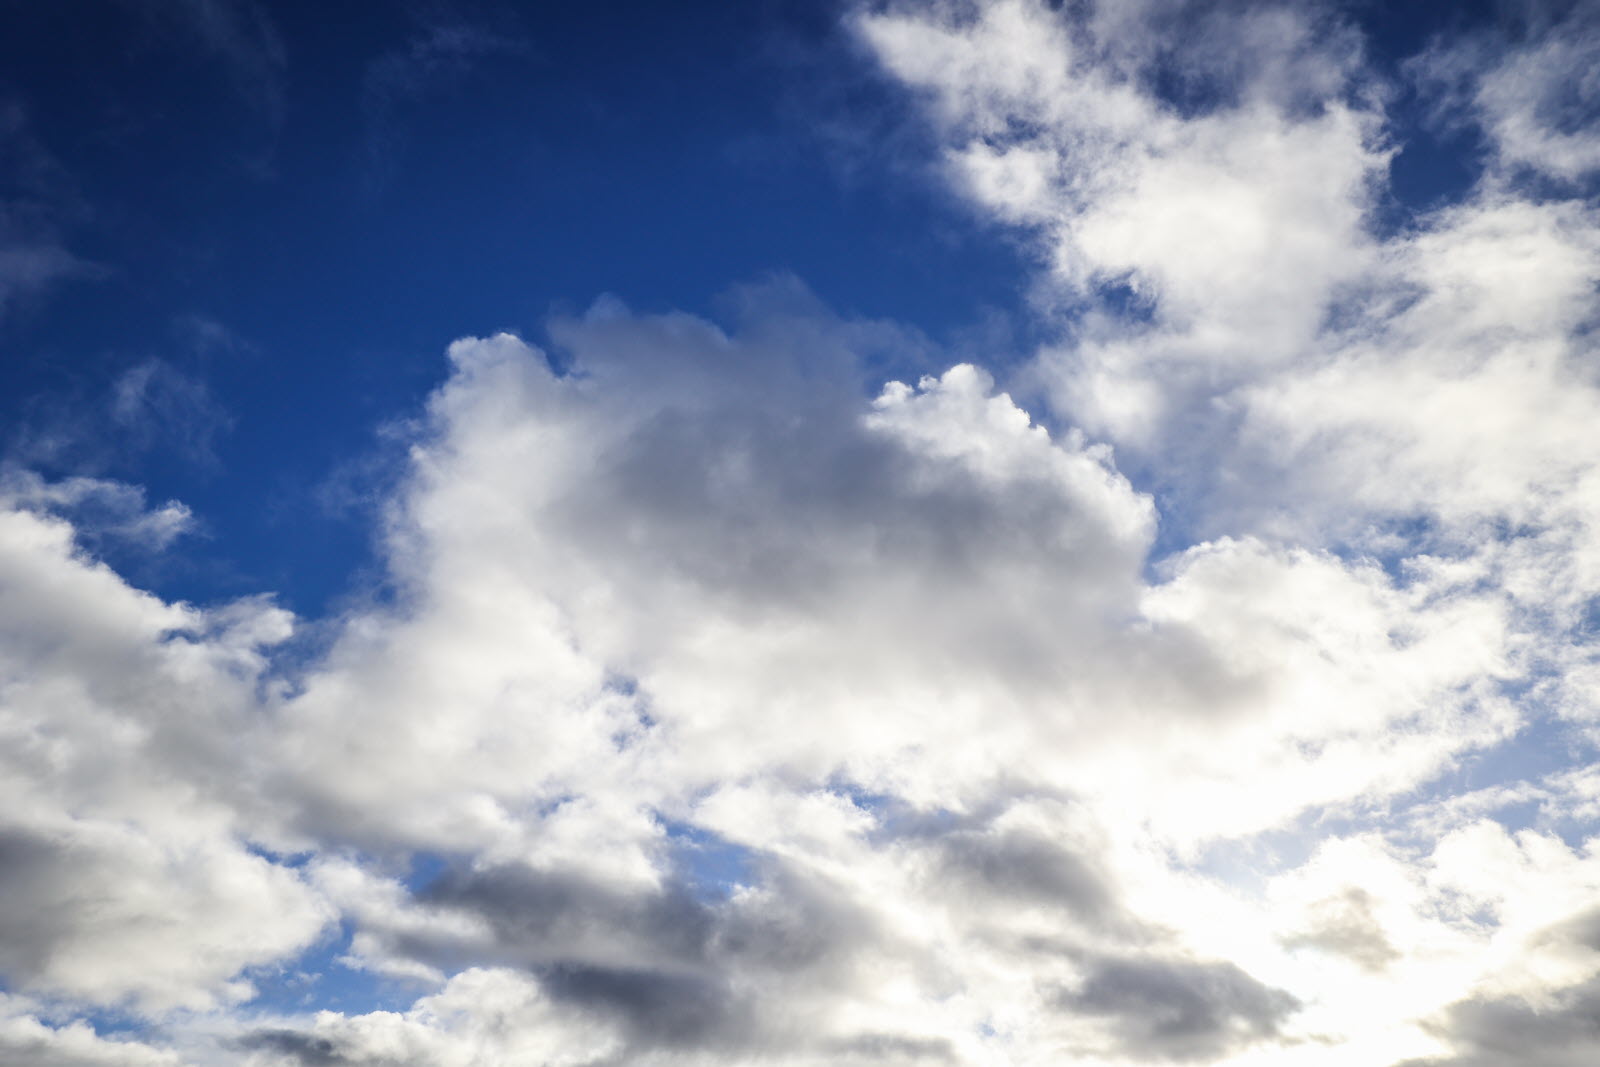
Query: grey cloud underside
x=297 y=1047
x=1553 y=1027
x=33 y=872
x=672 y=969
x=1029 y=869
x=1344 y=925
x=1562 y=1030
x=1178 y=1010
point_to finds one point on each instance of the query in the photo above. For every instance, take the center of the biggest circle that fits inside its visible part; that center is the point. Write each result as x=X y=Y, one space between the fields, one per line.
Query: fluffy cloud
x=1248 y=332
x=126 y=871
x=975 y=706
x=748 y=714
x=29 y=1042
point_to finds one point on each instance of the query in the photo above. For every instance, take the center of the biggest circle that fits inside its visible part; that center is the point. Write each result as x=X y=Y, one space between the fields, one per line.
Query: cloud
x=973 y=686
x=1530 y=88
x=151 y=406
x=1243 y=330
x=153 y=402
x=601 y=570
x=28 y=1042
x=100 y=509
x=1028 y=869
x=1328 y=375
x=438 y=57
x=1555 y=1031
x=1345 y=926
x=481 y=1013
x=1178 y=1010
x=126 y=876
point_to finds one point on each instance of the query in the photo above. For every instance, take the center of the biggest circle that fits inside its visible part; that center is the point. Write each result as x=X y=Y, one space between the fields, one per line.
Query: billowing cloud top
x=1215 y=688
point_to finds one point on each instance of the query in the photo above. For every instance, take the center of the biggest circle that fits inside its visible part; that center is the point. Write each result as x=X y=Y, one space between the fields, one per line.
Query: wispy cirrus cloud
x=38 y=205
x=240 y=35
x=443 y=51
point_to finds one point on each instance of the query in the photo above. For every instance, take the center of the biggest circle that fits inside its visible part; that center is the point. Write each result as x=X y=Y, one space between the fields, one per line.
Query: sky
x=956 y=532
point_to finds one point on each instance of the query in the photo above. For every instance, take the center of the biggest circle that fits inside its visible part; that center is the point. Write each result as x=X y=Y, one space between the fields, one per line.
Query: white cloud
x=1300 y=379
x=29 y=1041
x=99 y=507
x=900 y=653
x=127 y=876
x=1533 y=93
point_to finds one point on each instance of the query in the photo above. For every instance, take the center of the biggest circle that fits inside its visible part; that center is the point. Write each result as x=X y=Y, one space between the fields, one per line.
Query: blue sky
x=996 y=532
x=299 y=214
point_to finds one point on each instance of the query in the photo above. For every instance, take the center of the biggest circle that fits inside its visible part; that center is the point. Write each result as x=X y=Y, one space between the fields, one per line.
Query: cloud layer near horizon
x=726 y=704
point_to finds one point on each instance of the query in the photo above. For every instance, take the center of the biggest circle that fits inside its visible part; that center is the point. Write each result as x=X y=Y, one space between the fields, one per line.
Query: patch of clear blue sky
x=711 y=866
x=319 y=980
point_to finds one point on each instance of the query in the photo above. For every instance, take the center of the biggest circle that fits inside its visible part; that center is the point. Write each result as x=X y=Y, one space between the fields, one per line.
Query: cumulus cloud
x=977 y=711
x=127 y=875
x=29 y=1042
x=935 y=603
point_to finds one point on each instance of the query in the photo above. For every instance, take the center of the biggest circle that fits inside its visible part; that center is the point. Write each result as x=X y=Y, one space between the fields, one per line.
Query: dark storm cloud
x=1178 y=1009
